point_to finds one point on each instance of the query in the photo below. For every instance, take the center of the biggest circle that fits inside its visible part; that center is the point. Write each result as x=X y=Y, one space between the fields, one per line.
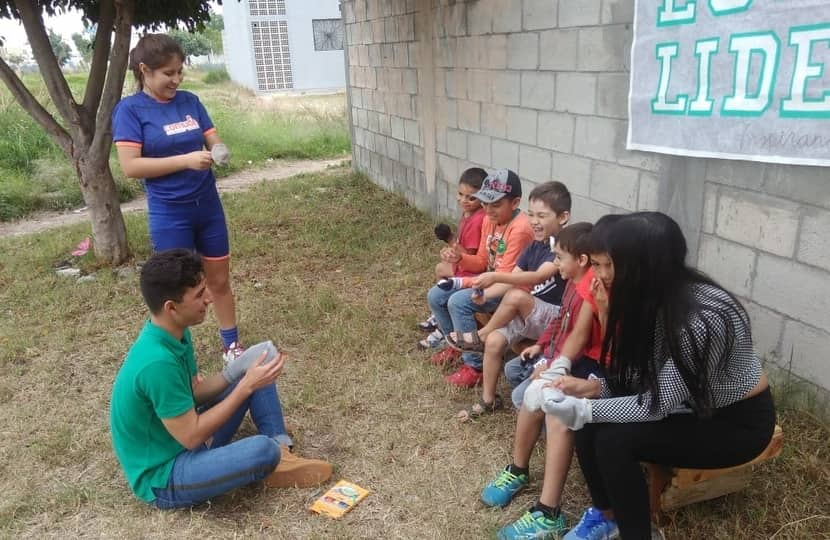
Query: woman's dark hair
x=167 y=275
x=473 y=177
x=154 y=51
x=576 y=239
x=652 y=296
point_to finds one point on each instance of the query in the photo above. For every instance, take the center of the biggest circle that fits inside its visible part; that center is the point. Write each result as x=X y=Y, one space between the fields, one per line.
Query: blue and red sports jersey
x=164 y=129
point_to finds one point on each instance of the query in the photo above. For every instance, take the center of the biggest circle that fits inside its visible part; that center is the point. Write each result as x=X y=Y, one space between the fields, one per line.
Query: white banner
x=734 y=79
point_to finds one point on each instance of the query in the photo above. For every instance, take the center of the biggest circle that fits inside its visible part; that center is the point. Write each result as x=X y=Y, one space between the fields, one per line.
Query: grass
x=334 y=270
x=35 y=175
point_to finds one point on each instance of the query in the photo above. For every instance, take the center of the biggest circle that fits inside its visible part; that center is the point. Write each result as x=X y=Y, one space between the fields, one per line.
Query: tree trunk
x=109 y=232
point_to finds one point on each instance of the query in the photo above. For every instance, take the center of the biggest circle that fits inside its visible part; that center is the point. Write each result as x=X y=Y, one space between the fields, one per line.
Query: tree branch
x=31 y=105
x=56 y=84
x=124 y=13
x=101 y=51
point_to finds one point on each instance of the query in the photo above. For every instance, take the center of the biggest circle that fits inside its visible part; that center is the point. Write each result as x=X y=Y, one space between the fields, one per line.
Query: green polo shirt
x=153 y=383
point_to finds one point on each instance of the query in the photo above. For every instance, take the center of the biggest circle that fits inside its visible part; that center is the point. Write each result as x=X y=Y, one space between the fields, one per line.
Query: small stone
x=86 y=279
x=125 y=272
x=68 y=272
x=258 y=285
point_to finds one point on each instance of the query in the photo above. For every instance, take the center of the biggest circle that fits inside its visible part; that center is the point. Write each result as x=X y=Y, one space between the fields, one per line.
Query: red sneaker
x=444 y=356
x=465 y=377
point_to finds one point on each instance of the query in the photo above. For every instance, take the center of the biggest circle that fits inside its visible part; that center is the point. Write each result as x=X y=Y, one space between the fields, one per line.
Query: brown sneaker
x=295 y=471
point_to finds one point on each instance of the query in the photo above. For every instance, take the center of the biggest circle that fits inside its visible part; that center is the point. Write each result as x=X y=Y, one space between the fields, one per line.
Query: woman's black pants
x=610 y=454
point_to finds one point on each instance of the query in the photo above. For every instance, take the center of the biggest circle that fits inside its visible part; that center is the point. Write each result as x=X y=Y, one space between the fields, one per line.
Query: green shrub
x=215 y=76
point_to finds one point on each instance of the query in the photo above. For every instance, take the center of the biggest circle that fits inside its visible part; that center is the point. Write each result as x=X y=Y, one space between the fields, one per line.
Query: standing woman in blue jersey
x=164 y=136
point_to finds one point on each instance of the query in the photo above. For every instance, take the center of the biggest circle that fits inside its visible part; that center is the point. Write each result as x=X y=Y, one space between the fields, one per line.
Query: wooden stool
x=671 y=488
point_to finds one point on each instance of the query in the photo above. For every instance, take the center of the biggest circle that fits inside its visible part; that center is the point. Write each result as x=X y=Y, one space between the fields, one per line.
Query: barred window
x=328 y=34
x=271 y=55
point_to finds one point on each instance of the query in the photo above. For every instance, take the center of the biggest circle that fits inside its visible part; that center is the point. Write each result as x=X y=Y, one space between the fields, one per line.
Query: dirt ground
x=241 y=181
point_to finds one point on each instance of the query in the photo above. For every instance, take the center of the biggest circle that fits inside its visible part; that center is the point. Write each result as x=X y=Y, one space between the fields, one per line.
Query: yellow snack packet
x=338 y=500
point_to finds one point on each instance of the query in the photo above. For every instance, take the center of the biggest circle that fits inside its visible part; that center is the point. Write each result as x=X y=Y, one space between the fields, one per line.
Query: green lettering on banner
x=796 y=104
x=744 y=46
x=668 y=14
x=728 y=7
x=703 y=103
x=660 y=103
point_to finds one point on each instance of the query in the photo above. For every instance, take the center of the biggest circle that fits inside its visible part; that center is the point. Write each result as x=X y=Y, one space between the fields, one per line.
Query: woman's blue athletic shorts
x=195 y=224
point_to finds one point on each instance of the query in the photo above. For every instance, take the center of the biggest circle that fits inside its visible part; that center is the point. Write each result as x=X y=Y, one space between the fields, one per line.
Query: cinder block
x=794 y=289
x=617 y=11
x=585 y=209
x=378 y=30
x=612 y=95
x=478 y=85
x=393 y=149
x=494 y=120
x=413 y=47
x=456 y=83
x=506 y=88
x=556 y=131
x=363 y=54
x=648 y=161
x=480 y=17
x=412 y=132
x=579 y=12
x=558 y=49
x=401 y=55
x=384 y=124
x=448 y=168
x=457 y=143
x=523 y=51
x=373 y=122
x=710 y=208
x=574 y=172
x=740 y=174
x=410 y=81
x=649 y=194
x=606 y=48
x=576 y=92
x=809 y=346
x=406 y=28
x=390 y=28
x=479 y=149
x=374 y=55
x=454 y=20
x=538 y=90
x=441 y=140
x=599 y=137
x=730 y=264
x=507 y=16
x=767 y=327
x=407 y=155
x=814 y=245
x=803 y=184
x=505 y=155
x=452 y=113
x=521 y=125
x=534 y=164
x=615 y=185
x=493 y=52
x=469 y=115
x=539 y=14
x=759 y=221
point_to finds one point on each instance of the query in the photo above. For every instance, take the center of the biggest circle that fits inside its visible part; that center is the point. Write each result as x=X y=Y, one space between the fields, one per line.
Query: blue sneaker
x=593 y=526
x=501 y=491
x=534 y=526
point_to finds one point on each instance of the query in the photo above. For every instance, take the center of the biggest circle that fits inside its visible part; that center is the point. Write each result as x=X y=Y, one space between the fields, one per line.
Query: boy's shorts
x=537 y=321
x=195 y=224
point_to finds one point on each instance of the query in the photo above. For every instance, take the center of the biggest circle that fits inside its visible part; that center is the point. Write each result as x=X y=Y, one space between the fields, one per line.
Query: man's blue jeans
x=455 y=312
x=208 y=471
x=518 y=372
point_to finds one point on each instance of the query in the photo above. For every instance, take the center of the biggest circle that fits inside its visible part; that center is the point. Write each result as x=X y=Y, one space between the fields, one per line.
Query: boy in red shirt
x=505 y=233
x=576 y=333
x=467 y=239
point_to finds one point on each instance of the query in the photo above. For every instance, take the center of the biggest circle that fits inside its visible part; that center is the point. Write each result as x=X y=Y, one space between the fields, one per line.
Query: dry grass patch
x=334 y=270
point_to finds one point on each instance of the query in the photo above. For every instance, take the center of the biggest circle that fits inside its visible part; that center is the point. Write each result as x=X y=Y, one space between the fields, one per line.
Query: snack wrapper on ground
x=338 y=500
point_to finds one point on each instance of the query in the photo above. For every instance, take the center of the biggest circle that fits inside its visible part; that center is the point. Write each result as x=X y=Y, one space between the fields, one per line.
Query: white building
x=278 y=45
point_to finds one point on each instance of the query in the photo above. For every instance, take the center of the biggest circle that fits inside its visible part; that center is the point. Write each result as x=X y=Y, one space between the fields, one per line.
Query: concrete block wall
x=541 y=86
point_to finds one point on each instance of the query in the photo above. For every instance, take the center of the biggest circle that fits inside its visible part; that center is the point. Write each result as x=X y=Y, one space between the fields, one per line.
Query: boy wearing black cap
x=505 y=233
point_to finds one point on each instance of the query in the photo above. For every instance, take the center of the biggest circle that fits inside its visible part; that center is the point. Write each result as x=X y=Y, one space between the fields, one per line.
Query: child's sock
x=454 y=283
x=518 y=471
x=229 y=336
x=551 y=512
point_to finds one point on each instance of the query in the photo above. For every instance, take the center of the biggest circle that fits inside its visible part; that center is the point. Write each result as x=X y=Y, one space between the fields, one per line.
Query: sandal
x=473 y=345
x=480 y=409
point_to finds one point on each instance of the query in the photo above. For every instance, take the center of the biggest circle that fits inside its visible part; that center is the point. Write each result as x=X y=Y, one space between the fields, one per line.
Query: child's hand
x=482 y=281
x=529 y=353
x=574 y=386
x=537 y=372
x=449 y=255
x=600 y=294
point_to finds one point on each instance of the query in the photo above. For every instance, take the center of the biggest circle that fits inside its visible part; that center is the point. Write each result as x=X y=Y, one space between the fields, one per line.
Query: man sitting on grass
x=171 y=427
